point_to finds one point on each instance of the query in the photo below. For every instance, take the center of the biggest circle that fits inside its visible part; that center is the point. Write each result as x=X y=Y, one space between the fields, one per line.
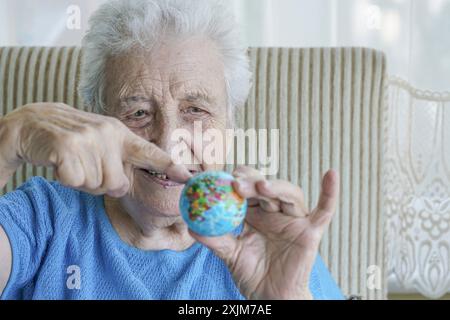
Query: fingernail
x=178 y=173
x=238 y=174
x=236 y=184
x=242 y=185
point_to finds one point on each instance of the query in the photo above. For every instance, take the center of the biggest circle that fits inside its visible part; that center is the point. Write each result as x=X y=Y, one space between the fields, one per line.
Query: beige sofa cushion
x=328 y=105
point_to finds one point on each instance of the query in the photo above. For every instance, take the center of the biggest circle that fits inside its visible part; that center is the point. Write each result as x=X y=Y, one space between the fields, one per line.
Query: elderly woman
x=110 y=227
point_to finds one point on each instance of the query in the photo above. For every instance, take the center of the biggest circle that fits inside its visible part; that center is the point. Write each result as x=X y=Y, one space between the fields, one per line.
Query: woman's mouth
x=161 y=178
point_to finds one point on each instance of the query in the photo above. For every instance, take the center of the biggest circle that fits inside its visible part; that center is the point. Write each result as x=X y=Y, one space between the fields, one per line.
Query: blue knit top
x=64 y=247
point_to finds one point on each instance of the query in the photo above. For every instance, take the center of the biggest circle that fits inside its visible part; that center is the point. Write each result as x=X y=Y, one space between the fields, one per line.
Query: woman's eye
x=139 y=114
x=195 y=110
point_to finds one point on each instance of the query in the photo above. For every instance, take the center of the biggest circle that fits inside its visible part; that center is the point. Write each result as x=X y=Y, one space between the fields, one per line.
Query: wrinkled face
x=156 y=92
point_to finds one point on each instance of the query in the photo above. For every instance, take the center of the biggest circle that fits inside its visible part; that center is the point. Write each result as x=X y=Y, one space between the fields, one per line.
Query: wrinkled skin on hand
x=90 y=152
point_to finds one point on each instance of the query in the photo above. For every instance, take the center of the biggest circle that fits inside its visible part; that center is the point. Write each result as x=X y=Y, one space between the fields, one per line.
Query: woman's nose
x=163 y=135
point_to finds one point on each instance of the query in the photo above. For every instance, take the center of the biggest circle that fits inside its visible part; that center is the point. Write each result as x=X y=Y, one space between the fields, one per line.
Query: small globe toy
x=210 y=206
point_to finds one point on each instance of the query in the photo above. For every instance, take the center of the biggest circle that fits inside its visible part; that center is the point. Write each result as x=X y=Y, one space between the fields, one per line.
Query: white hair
x=119 y=26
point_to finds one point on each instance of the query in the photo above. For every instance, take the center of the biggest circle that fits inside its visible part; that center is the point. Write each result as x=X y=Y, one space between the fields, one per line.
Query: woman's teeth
x=163 y=176
x=158 y=175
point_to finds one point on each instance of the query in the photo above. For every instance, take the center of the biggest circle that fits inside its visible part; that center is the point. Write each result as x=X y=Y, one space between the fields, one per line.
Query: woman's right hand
x=90 y=152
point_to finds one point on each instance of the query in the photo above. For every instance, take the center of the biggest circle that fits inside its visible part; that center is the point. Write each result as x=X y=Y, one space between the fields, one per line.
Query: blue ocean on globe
x=210 y=206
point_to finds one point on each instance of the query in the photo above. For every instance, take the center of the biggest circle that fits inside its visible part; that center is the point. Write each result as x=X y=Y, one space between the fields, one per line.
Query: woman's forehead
x=197 y=68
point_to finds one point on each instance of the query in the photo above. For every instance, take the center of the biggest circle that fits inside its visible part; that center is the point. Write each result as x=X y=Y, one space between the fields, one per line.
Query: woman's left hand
x=274 y=255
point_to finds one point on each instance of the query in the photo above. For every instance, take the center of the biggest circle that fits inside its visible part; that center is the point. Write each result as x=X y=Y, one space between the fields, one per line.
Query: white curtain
x=414 y=34
x=417 y=175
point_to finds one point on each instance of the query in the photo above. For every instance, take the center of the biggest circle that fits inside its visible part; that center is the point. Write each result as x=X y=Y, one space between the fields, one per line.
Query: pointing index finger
x=146 y=155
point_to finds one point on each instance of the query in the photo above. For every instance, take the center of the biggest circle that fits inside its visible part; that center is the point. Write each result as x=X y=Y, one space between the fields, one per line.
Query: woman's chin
x=159 y=199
